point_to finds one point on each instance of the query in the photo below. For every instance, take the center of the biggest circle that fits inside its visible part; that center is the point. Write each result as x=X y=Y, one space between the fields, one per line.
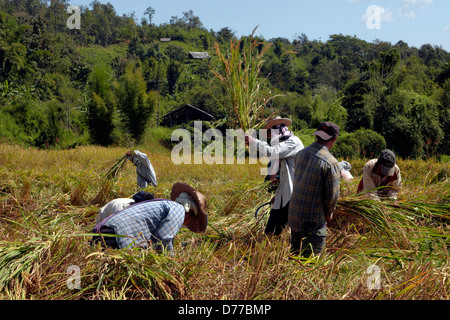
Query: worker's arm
x=331 y=190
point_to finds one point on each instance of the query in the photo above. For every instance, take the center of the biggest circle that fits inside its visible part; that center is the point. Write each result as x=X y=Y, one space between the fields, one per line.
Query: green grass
x=95 y=54
x=49 y=200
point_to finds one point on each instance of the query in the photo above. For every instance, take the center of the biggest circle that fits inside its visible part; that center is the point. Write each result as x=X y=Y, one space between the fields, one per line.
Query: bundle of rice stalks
x=240 y=77
x=18 y=260
x=236 y=215
x=144 y=273
x=398 y=222
x=116 y=167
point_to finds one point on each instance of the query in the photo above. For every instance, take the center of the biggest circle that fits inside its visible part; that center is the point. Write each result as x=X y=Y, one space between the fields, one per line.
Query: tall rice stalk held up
x=240 y=77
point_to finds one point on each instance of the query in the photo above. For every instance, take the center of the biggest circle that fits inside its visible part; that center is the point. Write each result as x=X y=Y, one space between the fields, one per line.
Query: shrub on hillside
x=363 y=143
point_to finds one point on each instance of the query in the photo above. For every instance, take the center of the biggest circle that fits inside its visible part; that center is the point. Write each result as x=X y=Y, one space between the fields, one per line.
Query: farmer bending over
x=155 y=222
x=120 y=204
x=144 y=169
x=381 y=177
x=283 y=148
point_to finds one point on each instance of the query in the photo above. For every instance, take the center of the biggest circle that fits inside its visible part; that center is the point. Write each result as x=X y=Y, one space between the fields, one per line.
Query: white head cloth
x=187 y=202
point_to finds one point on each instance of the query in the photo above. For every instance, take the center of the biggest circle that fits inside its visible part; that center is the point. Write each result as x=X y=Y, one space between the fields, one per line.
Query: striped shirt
x=316 y=188
x=143 y=223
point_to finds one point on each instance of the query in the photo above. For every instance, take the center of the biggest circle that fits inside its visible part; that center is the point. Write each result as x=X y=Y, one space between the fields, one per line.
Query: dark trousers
x=105 y=241
x=310 y=241
x=278 y=219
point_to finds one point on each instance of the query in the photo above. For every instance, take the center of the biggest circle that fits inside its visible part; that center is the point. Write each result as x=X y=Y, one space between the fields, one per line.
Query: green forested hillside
x=106 y=82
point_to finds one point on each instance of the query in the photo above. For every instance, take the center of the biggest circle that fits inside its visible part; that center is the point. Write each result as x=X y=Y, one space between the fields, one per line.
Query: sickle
x=256 y=212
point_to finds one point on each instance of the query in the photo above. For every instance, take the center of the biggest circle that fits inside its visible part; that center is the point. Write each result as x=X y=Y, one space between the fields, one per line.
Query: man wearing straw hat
x=316 y=191
x=283 y=148
x=155 y=221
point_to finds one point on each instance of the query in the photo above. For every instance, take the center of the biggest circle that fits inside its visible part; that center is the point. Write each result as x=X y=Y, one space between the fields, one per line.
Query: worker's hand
x=248 y=139
x=130 y=154
x=272 y=201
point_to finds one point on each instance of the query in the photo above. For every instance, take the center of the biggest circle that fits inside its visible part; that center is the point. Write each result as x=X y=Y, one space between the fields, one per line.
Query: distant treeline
x=112 y=79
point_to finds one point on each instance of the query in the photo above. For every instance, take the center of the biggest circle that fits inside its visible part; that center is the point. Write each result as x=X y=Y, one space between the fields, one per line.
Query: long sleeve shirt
x=112 y=207
x=373 y=180
x=147 y=222
x=283 y=157
x=145 y=173
x=316 y=188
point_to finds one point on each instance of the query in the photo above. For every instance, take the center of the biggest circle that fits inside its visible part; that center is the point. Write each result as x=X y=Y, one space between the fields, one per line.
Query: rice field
x=375 y=250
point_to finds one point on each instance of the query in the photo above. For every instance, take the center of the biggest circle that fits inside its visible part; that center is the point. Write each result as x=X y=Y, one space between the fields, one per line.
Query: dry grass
x=49 y=200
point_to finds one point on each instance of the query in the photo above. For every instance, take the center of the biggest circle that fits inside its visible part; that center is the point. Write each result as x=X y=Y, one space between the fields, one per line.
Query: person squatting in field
x=154 y=222
x=283 y=148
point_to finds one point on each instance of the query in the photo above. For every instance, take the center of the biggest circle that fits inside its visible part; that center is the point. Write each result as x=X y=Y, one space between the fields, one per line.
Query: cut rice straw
x=389 y=218
x=116 y=168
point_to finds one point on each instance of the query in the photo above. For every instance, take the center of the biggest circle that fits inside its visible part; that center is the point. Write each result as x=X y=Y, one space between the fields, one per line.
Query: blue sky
x=416 y=22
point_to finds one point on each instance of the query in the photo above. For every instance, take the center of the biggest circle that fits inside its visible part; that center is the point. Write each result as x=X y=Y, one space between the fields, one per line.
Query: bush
x=305 y=135
x=346 y=146
x=10 y=130
x=363 y=143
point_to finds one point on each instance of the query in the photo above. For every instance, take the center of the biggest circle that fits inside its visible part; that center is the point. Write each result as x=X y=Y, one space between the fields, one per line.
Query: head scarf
x=187 y=202
x=282 y=135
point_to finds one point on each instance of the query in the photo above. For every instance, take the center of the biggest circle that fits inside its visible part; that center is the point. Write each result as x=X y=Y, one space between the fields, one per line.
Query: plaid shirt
x=316 y=188
x=153 y=220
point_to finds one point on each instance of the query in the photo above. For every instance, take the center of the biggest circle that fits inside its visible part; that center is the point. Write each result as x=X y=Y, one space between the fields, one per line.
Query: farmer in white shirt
x=283 y=148
x=119 y=204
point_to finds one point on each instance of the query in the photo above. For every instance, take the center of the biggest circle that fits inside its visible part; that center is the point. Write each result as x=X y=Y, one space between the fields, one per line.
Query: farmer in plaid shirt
x=316 y=191
x=154 y=222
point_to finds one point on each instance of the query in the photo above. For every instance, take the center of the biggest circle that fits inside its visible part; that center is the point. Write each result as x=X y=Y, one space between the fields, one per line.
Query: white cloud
x=404 y=2
x=386 y=15
x=447 y=29
x=409 y=7
x=408 y=13
x=416 y=2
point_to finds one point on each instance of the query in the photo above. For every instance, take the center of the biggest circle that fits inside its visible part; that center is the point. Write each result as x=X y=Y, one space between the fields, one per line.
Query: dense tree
x=225 y=35
x=50 y=79
x=101 y=106
x=174 y=70
x=150 y=12
x=135 y=105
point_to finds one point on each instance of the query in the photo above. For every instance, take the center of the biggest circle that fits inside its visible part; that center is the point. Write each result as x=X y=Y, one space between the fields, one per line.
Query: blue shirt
x=143 y=223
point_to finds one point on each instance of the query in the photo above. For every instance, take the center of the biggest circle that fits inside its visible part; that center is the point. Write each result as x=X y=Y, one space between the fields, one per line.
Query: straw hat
x=200 y=221
x=277 y=120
